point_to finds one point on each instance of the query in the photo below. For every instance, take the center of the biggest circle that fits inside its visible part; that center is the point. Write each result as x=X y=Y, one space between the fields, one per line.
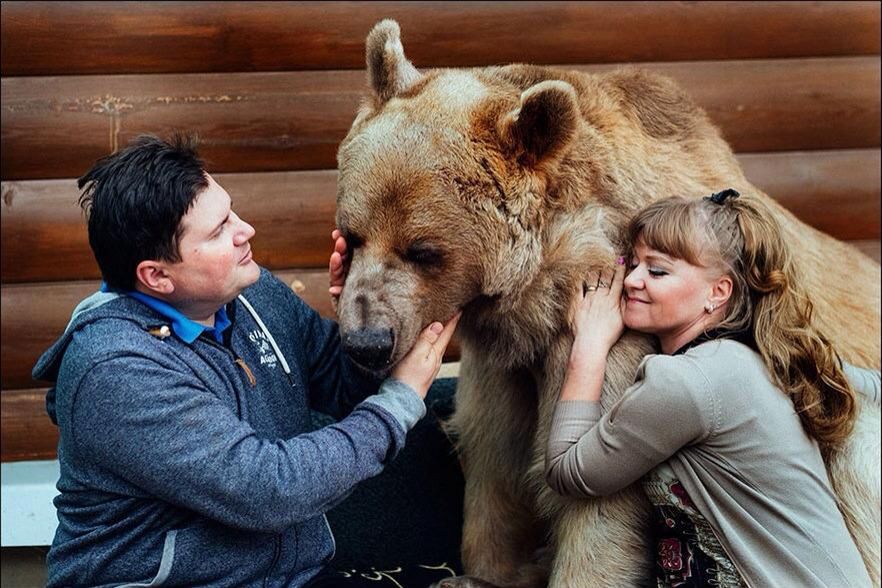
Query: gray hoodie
x=190 y=464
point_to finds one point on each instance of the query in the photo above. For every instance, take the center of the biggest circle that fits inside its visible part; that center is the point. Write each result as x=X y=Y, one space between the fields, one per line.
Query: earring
x=709 y=307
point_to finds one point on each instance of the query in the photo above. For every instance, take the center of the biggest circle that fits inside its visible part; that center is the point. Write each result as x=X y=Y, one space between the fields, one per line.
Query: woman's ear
x=721 y=291
x=153 y=278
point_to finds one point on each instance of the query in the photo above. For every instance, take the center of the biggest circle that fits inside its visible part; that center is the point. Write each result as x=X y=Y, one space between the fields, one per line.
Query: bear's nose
x=370 y=346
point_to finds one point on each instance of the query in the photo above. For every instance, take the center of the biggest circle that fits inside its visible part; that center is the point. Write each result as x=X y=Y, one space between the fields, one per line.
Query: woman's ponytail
x=801 y=360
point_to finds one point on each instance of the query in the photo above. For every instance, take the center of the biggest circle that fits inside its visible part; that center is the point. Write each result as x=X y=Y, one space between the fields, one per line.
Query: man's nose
x=244 y=232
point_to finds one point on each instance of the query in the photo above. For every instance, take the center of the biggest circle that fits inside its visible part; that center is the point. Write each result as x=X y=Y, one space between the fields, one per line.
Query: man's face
x=216 y=262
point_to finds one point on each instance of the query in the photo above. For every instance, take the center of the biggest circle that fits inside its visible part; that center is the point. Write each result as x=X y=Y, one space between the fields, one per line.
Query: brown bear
x=495 y=191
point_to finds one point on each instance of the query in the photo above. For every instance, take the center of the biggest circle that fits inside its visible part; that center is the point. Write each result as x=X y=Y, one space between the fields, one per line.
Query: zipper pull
x=160 y=332
x=251 y=379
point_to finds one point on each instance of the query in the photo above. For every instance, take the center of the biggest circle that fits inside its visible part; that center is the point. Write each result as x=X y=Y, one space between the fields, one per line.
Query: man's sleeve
x=163 y=432
x=336 y=384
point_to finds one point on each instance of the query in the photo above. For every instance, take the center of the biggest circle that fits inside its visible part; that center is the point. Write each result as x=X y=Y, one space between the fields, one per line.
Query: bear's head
x=441 y=194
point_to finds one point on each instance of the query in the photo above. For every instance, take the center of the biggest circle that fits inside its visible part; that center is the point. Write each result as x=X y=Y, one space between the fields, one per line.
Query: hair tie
x=723 y=195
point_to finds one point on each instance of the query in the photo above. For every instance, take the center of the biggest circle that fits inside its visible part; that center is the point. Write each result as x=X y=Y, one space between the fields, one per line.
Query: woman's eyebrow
x=659 y=257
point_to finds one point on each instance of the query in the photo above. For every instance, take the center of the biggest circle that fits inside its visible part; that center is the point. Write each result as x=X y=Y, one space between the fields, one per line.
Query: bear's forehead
x=455 y=91
x=446 y=101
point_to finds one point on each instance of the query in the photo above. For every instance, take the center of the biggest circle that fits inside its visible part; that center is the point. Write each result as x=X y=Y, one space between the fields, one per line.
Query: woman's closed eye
x=654 y=271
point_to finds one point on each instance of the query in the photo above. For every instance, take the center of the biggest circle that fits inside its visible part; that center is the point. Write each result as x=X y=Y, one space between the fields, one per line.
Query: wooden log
x=35 y=315
x=56 y=127
x=26 y=432
x=161 y=37
x=837 y=192
x=44 y=231
x=25 y=429
x=869 y=247
x=44 y=235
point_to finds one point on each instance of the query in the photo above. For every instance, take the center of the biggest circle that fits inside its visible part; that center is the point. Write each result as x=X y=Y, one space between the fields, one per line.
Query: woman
x=732 y=466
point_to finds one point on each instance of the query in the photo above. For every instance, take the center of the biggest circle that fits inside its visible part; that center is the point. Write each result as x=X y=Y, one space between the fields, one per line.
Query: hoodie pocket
x=165 y=564
x=211 y=554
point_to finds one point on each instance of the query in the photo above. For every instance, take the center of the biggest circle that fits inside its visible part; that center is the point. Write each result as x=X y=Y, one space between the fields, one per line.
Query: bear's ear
x=389 y=71
x=544 y=125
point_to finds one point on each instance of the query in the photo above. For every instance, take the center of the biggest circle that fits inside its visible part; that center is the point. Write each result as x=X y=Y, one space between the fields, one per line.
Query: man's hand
x=420 y=366
x=337 y=267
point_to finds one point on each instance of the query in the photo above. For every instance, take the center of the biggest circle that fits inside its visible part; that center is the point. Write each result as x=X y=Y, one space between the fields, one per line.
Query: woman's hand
x=598 y=313
x=421 y=364
x=598 y=324
x=337 y=267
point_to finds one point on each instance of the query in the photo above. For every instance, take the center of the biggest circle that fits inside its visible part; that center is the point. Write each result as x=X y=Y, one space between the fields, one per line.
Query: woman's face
x=667 y=297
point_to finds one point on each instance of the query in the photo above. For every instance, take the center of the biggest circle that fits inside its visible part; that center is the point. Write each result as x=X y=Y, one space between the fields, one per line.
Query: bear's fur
x=495 y=191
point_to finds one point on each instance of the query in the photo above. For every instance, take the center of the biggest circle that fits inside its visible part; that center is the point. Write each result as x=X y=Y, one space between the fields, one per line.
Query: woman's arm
x=589 y=454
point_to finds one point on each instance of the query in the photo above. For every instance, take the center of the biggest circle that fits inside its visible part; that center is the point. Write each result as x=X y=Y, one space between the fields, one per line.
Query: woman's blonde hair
x=741 y=238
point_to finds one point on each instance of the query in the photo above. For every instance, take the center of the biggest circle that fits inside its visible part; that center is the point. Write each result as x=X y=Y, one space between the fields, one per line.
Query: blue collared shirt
x=185 y=328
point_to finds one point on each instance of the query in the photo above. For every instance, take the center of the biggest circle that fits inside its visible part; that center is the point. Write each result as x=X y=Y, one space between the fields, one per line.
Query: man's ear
x=544 y=124
x=153 y=278
x=389 y=71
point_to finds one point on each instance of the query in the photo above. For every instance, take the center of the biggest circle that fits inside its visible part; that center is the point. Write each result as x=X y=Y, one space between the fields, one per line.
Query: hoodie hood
x=98 y=306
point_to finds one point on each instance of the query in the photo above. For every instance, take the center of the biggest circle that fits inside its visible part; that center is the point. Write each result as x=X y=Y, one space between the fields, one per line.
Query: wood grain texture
x=44 y=231
x=44 y=236
x=35 y=315
x=56 y=127
x=272 y=88
x=26 y=432
x=164 y=37
x=837 y=192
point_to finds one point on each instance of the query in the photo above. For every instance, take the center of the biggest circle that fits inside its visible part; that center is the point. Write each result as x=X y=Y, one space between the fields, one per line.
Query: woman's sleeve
x=865 y=381
x=590 y=454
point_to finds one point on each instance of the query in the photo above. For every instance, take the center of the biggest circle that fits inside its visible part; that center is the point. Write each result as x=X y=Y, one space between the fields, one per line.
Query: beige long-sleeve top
x=737 y=446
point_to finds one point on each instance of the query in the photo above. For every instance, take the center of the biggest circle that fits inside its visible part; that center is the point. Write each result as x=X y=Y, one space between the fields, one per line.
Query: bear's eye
x=424 y=255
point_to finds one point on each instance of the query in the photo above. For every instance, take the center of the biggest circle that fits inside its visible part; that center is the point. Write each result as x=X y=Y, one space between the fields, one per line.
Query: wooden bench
x=272 y=88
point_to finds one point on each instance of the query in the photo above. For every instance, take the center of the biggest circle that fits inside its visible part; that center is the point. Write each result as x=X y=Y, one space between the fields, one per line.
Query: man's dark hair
x=135 y=199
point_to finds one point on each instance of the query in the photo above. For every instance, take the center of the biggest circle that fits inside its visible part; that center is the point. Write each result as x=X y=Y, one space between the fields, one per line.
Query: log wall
x=271 y=87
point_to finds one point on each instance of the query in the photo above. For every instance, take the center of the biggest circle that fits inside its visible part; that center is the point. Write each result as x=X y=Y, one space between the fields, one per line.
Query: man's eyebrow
x=220 y=224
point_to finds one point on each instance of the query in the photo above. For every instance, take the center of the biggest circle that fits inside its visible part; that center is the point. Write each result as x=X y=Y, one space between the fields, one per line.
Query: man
x=182 y=394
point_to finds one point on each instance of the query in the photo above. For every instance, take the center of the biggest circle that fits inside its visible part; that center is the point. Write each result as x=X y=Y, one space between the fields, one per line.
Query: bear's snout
x=371 y=347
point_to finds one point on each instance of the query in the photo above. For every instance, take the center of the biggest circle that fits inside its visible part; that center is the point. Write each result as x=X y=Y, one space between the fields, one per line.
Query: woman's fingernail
x=621 y=260
x=437 y=327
